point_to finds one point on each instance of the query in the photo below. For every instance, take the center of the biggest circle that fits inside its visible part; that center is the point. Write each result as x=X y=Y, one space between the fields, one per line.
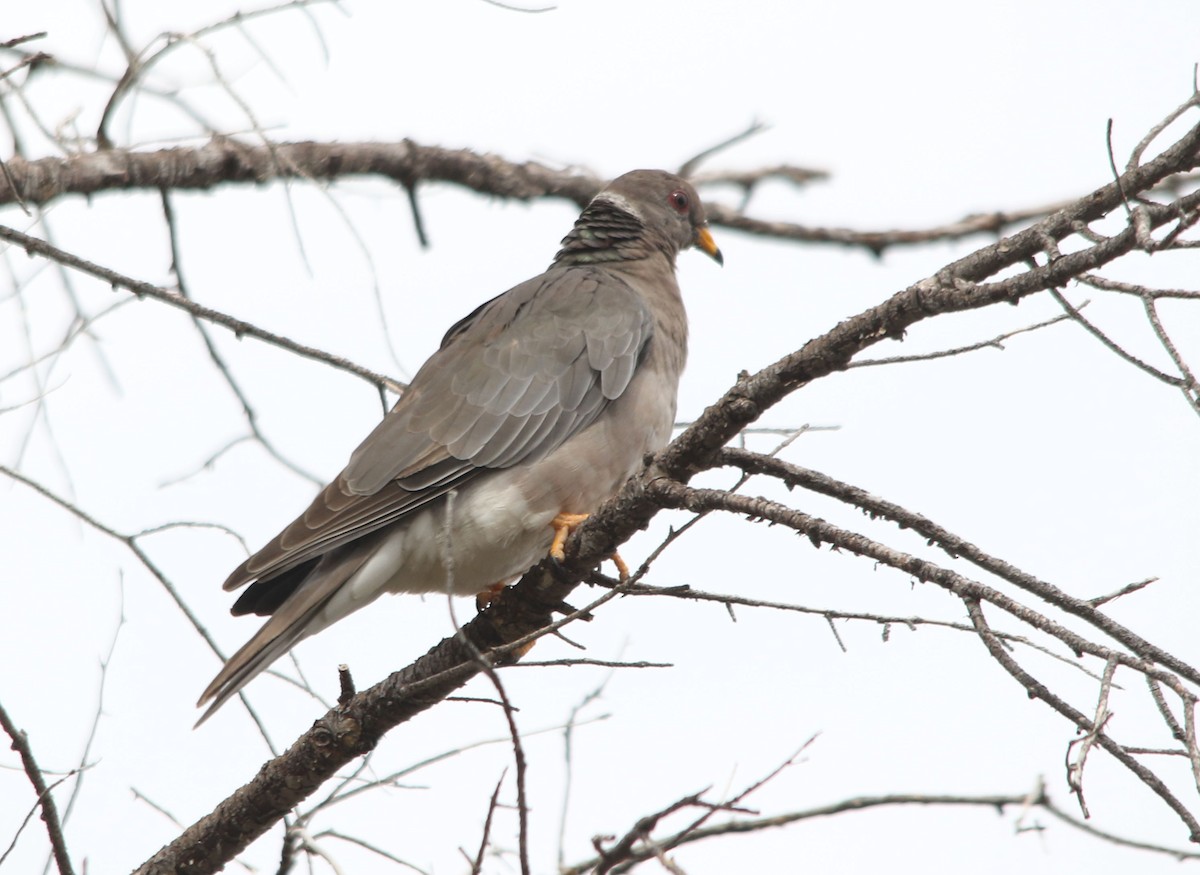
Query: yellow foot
x=622 y=568
x=563 y=525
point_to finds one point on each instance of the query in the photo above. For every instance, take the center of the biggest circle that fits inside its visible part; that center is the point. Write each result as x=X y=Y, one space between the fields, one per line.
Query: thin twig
x=215 y=356
x=131 y=544
x=996 y=342
x=35 y=246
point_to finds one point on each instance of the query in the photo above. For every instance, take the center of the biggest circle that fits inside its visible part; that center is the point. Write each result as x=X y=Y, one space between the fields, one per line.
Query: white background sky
x=1053 y=453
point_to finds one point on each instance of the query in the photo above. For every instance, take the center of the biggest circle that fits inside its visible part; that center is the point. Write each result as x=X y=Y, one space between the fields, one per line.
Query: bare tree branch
x=34 y=246
x=998 y=802
x=222 y=161
x=20 y=743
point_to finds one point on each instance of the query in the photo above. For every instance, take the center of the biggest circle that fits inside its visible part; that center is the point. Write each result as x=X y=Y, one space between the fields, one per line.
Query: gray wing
x=510 y=384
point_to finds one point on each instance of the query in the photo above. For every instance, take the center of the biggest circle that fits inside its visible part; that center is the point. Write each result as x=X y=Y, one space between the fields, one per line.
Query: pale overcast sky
x=1053 y=453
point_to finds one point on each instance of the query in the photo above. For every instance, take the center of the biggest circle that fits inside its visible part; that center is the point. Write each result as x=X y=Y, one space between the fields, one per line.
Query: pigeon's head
x=643 y=214
x=667 y=207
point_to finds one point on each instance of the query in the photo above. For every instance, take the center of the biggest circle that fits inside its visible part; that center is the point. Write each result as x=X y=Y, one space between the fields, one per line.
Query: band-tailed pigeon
x=535 y=409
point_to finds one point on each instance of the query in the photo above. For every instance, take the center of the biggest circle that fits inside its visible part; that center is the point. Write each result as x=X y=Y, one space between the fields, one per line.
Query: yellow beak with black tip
x=705 y=243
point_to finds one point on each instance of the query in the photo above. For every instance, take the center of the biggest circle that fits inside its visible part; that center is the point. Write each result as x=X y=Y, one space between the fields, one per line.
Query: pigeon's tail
x=255 y=655
x=301 y=614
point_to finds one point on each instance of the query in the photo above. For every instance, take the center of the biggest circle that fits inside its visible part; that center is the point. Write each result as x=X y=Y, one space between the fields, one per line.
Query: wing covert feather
x=546 y=346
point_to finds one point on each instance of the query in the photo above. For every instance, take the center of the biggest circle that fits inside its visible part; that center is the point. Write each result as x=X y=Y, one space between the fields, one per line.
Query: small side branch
x=20 y=743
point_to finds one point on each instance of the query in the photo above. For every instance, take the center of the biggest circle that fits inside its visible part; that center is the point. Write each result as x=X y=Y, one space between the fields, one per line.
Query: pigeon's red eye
x=679 y=200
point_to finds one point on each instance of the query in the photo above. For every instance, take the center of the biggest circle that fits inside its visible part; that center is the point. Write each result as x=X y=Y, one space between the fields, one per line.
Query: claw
x=485 y=598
